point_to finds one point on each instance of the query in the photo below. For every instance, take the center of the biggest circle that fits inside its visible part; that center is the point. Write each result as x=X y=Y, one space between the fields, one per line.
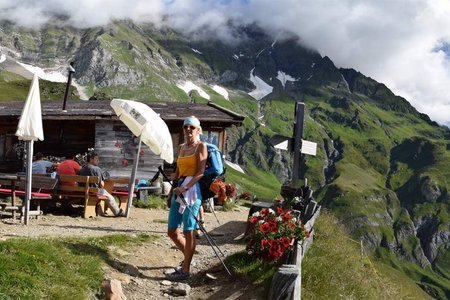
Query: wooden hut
x=93 y=124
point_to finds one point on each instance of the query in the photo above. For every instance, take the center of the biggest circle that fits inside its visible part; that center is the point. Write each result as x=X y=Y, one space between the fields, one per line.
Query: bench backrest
x=38 y=183
x=80 y=184
x=120 y=184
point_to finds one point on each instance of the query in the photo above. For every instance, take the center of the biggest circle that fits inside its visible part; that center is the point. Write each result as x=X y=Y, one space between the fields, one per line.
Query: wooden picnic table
x=11 y=180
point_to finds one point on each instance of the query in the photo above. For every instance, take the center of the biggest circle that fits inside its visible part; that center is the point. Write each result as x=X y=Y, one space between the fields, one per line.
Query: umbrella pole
x=133 y=178
x=26 y=207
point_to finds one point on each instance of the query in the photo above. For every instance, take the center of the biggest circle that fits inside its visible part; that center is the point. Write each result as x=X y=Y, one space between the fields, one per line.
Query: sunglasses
x=189 y=127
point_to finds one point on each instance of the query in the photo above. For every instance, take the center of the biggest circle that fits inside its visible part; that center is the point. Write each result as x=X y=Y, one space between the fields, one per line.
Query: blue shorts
x=187 y=218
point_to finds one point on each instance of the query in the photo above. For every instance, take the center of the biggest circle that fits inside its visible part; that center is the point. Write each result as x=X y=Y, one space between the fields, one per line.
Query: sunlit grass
x=336 y=268
x=57 y=268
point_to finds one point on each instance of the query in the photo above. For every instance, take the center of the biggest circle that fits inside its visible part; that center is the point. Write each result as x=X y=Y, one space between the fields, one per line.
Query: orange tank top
x=187 y=165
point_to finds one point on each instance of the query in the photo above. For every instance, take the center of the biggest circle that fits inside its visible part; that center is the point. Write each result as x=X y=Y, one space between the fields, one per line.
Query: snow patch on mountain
x=283 y=77
x=346 y=83
x=54 y=76
x=259 y=53
x=49 y=76
x=234 y=166
x=188 y=86
x=2 y=58
x=221 y=91
x=196 y=51
x=262 y=88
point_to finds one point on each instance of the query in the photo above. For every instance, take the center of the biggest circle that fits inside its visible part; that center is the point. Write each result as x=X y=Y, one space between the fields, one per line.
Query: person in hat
x=191 y=163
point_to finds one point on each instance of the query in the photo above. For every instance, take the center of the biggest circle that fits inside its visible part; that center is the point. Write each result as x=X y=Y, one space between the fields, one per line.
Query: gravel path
x=141 y=269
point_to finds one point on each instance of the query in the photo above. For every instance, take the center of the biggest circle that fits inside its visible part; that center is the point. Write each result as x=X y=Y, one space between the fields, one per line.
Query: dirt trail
x=141 y=269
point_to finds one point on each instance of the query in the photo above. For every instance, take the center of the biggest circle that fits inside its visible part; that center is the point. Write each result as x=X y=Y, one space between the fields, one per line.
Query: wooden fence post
x=285 y=284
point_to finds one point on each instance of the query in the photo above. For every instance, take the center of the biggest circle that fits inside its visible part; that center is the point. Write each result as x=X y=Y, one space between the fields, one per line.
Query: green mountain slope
x=381 y=167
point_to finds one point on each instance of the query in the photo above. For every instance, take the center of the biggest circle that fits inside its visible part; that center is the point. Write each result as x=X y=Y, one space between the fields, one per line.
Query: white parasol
x=30 y=130
x=147 y=125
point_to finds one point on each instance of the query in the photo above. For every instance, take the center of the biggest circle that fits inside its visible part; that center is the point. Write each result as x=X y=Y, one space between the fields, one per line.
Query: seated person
x=92 y=169
x=40 y=165
x=68 y=167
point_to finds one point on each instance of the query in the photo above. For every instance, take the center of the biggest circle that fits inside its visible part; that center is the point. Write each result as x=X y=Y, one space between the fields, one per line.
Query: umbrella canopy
x=144 y=123
x=30 y=124
x=30 y=129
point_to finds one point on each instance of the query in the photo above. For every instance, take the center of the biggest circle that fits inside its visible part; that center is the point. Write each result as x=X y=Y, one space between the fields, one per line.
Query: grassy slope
x=362 y=171
x=68 y=268
x=15 y=87
x=349 y=274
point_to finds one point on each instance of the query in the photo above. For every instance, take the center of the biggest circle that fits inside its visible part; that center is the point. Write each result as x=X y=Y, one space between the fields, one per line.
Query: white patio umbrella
x=144 y=123
x=30 y=130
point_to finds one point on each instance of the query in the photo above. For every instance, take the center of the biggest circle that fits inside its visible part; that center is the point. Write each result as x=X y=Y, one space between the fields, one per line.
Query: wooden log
x=283 y=282
x=300 y=252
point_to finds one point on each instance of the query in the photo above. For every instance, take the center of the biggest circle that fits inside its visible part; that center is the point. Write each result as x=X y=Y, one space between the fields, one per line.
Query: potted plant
x=274 y=233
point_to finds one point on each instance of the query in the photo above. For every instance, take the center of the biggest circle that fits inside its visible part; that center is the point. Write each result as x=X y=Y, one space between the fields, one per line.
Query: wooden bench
x=119 y=187
x=71 y=188
x=78 y=188
x=41 y=189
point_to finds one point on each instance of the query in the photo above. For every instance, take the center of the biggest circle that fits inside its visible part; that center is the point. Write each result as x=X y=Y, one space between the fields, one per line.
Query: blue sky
x=403 y=44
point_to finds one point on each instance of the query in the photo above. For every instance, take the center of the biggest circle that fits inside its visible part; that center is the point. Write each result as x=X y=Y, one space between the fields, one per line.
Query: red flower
x=141 y=152
x=254 y=220
x=287 y=216
x=273 y=226
x=125 y=162
x=264 y=243
x=265 y=227
x=280 y=210
x=273 y=254
x=286 y=242
x=117 y=144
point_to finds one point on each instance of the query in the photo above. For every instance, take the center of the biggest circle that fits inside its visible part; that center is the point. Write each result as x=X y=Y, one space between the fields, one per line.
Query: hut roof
x=101 y=109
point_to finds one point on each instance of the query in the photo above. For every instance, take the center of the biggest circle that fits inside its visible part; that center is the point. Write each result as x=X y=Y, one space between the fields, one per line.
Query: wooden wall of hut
x=64 y=138
x=117 y=148
x=9 y=161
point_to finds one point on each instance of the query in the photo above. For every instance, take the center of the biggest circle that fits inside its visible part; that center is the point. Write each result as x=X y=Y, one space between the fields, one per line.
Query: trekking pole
x=213 y=210
x=211 y=242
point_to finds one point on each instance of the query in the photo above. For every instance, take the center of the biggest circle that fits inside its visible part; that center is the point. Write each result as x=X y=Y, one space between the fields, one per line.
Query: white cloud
x=392 y=41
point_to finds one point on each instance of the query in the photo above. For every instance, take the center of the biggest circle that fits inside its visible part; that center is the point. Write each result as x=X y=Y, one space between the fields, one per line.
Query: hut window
x=7 y=149
x=211 y=137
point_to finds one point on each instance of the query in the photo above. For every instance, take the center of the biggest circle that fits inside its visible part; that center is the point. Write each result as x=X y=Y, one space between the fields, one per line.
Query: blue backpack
x=213 y=169
x=214 y=161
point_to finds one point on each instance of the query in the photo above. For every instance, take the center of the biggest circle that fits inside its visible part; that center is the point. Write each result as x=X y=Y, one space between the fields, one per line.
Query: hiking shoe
x=178 y=275
x=121 y=213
